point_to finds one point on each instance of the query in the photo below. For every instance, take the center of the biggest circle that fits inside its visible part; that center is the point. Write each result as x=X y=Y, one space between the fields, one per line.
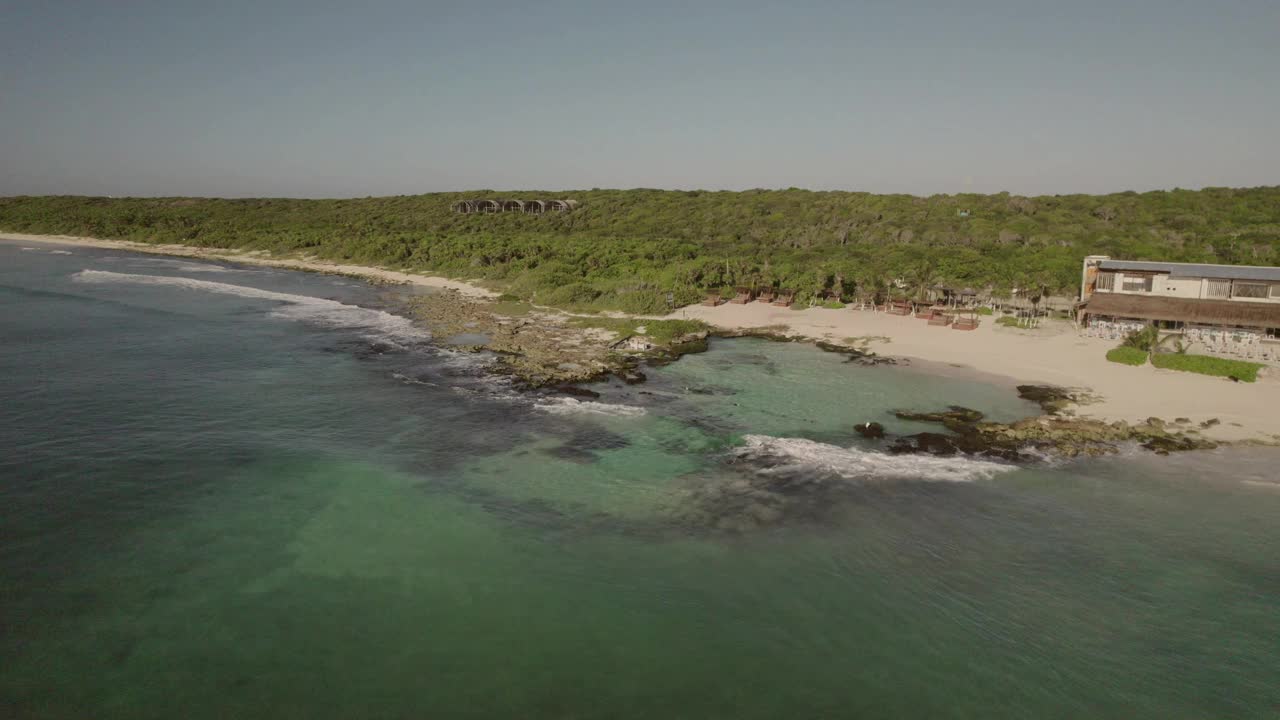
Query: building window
x=1248 y=290
x=1273 y=333
x=1219 y=289
x=1137 y=284
x=1107 y=281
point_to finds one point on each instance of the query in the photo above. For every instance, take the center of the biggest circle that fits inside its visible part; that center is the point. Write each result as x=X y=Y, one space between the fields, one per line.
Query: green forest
x=628 y=249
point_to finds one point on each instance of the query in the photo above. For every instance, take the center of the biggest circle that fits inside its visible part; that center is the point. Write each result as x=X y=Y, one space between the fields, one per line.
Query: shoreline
x=258 y=258
x=1053 y=355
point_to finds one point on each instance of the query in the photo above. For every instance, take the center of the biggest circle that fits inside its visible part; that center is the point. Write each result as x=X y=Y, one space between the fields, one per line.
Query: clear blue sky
x=312 y=98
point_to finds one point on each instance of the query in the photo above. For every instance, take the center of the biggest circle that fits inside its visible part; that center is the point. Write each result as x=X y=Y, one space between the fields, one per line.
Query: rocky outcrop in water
x=542 y=348
x=872 y=430
x=1050 y=434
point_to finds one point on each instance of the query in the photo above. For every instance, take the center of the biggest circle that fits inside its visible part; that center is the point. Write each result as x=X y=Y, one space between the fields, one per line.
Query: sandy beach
x=1053 y=354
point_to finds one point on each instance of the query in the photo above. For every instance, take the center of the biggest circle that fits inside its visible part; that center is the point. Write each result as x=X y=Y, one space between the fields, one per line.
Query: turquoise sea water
x=231 y=492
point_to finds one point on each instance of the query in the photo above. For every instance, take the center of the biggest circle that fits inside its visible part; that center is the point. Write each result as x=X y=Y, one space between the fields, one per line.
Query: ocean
x=244 y=492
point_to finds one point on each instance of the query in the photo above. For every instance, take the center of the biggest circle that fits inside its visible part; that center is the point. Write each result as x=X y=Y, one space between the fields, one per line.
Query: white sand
x=258 y=258
x=1054 y=354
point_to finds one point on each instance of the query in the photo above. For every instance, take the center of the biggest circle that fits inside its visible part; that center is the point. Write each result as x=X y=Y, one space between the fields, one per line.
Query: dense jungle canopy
x=628 y=249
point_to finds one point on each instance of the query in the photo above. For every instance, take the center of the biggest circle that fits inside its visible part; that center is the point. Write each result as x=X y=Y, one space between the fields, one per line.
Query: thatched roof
x=1205 y=312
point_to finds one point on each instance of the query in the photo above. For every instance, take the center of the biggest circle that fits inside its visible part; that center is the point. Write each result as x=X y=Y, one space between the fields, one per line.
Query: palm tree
x=922 y=279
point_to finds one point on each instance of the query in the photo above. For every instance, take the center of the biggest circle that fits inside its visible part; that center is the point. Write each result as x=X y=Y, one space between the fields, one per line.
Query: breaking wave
x=372 y=324
x=572 y=406
x=185 y=266
x=783 y=456
x=61 y=252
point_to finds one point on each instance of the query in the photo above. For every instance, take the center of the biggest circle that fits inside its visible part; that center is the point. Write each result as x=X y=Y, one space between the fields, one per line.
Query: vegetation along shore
x=579 y=295
x=643 y=251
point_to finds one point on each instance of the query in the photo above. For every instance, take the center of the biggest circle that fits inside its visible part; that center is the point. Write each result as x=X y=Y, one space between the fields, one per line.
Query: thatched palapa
x=1200 y=312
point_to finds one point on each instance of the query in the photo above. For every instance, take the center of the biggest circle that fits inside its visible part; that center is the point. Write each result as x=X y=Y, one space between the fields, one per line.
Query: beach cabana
x=558 y=205
x=743 y=297
x=462 y=206
x=966 y=319
x=941 y=318
x=512 y=206
x=535 y=207
x=898 y=307
x=486 y=206
x=785 y=298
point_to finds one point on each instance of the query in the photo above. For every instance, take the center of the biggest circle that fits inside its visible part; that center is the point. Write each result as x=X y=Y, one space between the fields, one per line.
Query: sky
x=309 y=98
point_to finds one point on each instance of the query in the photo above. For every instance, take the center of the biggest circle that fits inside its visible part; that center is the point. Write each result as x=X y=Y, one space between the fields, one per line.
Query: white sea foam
x=61 y=252
x=787 y=455
x=185 y=266
x=373 y=324
x=573 y=406
x=412 y=381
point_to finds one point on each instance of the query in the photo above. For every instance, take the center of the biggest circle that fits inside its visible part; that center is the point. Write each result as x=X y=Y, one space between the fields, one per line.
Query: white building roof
x=1225 y=272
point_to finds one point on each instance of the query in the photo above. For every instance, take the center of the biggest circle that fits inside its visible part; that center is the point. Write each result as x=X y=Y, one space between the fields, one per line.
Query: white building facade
x=1230 y=310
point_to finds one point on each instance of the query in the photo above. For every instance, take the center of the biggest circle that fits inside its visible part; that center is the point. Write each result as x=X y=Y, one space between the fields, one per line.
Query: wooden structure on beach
x=965 y=319
x=527 y=207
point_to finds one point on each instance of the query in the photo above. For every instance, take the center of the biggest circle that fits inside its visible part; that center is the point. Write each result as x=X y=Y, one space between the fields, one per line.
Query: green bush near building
x=1127 y=356
x=1205 y=365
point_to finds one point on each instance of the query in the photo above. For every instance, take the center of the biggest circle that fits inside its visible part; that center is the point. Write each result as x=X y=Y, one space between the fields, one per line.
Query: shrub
x=985 y=311
x=1127 y=356
x=1144 y=339
x=1008 y=321
x=833 y=304
x=1205 y=365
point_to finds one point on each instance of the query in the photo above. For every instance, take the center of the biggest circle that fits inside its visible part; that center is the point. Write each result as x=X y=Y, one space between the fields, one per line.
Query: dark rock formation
x=873 y=430
x=954 y=418
x=577 y=391
x=1051 y=398
x=1067 y=437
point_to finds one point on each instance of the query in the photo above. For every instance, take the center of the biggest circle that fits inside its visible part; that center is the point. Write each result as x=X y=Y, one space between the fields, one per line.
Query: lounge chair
x=743 y=297
x=765 y=295
x=941 y=319
x=785 y=298
x=713 y=299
